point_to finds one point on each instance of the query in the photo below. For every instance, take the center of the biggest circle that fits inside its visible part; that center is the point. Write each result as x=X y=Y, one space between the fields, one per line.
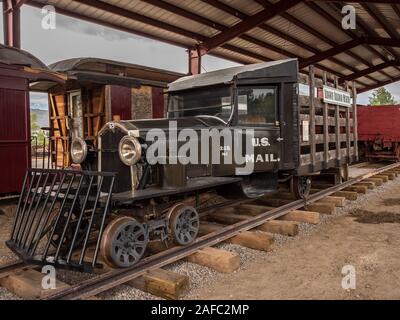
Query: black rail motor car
x=120 y=200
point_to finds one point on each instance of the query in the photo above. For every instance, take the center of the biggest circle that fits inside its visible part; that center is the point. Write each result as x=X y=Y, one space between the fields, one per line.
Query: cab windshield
x=206 y=101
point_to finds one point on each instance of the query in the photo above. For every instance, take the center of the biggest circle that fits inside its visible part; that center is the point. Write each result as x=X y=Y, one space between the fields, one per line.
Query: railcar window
x=212 y=102
x=257 y=105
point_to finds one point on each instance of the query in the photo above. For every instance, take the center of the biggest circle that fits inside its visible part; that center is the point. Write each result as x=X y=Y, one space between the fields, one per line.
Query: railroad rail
x=106 y=281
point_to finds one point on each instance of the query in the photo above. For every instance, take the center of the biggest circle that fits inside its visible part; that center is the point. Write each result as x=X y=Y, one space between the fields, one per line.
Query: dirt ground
x=367 y=237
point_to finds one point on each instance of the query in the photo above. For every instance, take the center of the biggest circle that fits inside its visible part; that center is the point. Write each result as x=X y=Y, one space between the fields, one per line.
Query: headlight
x=129 y=150
x=78 y=150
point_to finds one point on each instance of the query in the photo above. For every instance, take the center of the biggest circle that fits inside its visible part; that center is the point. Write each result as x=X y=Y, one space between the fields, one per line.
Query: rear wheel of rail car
x=301 y=186
x=124 y=242
x=184 y=224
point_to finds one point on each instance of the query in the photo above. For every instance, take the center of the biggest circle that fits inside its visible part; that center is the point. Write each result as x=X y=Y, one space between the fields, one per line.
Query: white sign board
x=306 y=130
x=336 y=96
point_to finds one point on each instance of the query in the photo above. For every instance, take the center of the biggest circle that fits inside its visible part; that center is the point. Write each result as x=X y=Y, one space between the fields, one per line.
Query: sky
x=76 y=38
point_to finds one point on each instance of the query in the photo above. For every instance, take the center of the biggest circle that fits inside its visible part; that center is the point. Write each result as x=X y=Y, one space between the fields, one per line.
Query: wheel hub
x=124 y=242
x=184 y=224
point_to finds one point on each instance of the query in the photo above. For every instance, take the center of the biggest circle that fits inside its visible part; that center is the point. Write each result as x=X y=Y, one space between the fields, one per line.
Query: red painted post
x=12 y=24
x=194 y=56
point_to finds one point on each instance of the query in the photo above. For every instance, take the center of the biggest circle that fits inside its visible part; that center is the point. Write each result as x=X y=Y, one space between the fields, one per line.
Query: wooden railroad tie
x=302 y=216
x=369 y=185
x=338 y=201
x=390 y=176
x=161 y=283
x=384 y=177
x=27 y=284
x=158 y=282
x=358 y=189
x=377 y=181
x=349 y=195
x=217 y=259
x=286 y=228
x=257 y=240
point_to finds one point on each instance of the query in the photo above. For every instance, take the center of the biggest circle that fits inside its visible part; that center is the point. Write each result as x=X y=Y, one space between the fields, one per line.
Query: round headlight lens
x=78 y=150
x=129 y=150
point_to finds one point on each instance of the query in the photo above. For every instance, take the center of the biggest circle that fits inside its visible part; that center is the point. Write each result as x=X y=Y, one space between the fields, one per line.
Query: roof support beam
x=387 y=27
x=11 y=24
x=370 y=70
x=361 y=1
x=314 y=32
x=347 y=46
x=379 y=84
x=384 y=42
x=76 y=15
x=236 y=13
x=246 y=25
x=20 y=3
x=331 y=52
x=138 y=17
x=336 y=21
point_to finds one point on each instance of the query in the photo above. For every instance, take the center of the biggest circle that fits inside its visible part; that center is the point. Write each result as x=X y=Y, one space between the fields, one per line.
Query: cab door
x=288 y=117
x=257 y=109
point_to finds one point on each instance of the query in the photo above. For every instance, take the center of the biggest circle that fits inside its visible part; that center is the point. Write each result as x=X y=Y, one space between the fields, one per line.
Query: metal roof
x=28 y=66
x=110 y=71
x=251 y=31
x=14 y=56
x=227 y=75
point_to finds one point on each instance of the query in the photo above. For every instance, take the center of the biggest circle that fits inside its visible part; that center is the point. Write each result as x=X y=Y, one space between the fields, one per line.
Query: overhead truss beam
x=359 y=1
x=370 y=70
x=246 y=25
x=379 y=84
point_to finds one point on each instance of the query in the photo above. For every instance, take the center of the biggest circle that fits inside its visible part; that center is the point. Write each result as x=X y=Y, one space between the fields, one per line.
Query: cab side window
x=257 y=105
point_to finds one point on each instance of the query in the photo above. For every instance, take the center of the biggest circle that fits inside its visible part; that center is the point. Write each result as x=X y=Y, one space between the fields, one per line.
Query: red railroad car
x=379 y=132
x=17 y=70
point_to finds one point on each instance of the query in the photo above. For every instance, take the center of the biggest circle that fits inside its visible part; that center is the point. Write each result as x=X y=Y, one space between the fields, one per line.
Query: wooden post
x=348 y=127
x=355 y=126
x=326 y=127
x=312 y=116
x=337 y=130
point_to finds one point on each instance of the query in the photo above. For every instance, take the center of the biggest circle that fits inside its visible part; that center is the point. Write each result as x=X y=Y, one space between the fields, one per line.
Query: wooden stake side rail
x=328 y=125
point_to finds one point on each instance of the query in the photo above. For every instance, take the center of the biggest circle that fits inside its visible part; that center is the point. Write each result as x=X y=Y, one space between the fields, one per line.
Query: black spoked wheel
x=301 y=186
x=124 y=242
x=184 y=224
